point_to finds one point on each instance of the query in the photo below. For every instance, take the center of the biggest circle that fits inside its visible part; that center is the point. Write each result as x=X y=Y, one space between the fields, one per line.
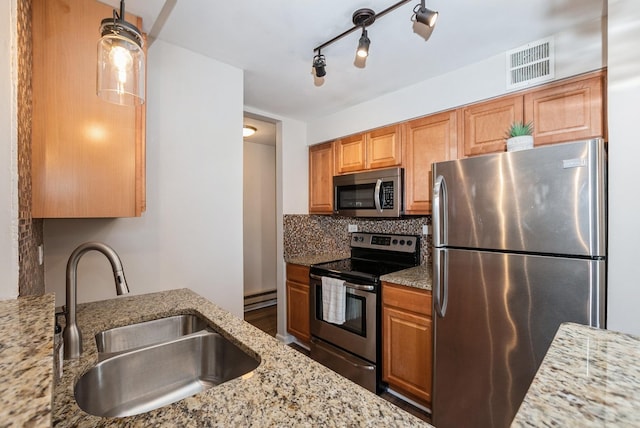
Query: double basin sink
x=151 y=364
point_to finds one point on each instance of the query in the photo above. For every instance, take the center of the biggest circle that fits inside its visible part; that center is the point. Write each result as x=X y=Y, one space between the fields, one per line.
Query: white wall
x=624 y=176
x=191 y=234
x=8 y=153
x=259 y=218
x=578 y=50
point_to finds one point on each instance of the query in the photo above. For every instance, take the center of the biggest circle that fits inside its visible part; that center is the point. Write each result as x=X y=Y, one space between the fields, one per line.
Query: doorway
x=259 y=221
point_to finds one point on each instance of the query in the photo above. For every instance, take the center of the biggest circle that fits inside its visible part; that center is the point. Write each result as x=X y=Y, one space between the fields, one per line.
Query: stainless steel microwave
x=378 y=193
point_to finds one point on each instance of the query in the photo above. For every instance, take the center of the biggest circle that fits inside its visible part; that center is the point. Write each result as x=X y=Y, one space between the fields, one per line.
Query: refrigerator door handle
x=377 y=198
x=439 y=211
x=440 y=286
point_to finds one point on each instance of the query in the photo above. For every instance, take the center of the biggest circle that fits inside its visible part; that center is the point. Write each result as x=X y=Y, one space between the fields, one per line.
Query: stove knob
x=355 y=239
x=361 y=239
x=402 y=242
x=394 y=242
x=409 y=242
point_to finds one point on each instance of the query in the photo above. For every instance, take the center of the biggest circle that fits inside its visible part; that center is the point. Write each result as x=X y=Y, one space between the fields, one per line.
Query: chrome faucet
x=71 y=335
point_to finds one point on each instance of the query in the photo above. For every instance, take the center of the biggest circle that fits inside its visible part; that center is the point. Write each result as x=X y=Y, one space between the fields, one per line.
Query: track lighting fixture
x=319 y=63
x=425 y=16
x=121 y=68
x=362 y=18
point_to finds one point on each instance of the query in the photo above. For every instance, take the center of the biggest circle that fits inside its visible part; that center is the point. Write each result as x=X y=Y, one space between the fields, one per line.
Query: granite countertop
x=588 y=378
x=312 y=259
x=26 y=361
x=417 y=277
x=287 y=388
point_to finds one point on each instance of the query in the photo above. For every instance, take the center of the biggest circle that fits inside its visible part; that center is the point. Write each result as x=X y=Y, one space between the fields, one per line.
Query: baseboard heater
x=260 y=300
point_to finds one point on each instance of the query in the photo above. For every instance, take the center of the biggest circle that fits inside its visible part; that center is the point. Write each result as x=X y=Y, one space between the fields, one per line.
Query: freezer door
x=545 y=200
x=502 y=312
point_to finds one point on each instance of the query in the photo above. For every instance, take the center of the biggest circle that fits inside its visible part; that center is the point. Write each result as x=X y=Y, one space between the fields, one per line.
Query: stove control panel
x=390 y=242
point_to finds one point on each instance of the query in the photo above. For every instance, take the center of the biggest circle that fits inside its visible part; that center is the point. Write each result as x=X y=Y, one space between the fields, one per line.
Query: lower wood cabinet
x=298 y=302
x=407 y=341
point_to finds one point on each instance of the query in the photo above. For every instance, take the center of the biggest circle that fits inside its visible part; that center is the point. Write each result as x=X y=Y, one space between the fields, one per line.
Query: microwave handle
x=376 y=195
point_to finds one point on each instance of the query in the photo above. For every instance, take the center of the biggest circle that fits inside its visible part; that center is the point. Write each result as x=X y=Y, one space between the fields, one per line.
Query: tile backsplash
x=31 y=272
x=318 y=234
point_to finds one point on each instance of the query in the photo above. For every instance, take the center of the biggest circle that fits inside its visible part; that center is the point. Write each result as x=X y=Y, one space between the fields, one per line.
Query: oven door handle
x=348 y=284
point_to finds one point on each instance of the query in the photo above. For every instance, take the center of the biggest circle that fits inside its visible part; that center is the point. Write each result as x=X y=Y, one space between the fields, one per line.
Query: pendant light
x=121 y=61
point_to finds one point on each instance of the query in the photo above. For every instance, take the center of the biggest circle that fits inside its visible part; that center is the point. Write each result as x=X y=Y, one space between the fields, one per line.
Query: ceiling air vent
x=530 y=64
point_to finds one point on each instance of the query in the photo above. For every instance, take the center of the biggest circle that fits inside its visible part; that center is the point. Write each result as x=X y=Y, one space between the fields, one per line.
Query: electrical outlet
x=353 y=228
x=426 y=229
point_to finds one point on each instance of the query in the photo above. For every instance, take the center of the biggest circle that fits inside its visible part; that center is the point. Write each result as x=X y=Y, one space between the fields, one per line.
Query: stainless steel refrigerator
x=519 y=247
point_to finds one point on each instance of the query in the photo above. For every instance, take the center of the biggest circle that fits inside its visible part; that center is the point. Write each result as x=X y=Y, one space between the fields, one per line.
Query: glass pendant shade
x=121 y=63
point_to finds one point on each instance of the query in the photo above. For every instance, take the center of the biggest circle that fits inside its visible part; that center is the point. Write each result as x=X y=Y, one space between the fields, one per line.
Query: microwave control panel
x=386 y=190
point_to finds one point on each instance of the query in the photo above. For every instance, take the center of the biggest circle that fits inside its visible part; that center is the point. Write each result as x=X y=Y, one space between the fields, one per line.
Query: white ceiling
x=273 y=43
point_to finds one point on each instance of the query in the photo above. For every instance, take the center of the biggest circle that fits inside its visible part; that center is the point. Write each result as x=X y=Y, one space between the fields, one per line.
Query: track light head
x=425 y=16
x=363 y=44
x=319 y=64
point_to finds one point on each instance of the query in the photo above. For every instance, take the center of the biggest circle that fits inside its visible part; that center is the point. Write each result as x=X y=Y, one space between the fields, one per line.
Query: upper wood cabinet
x=568 y=111
x=384 y=147
x=350 y=153
x=321 y=178
x=88 y=156
x=426 y=140
x=483 y=126
x=572 y=109
x=380 y=148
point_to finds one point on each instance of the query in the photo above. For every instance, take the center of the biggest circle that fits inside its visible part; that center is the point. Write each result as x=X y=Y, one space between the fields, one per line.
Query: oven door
x=358 y=334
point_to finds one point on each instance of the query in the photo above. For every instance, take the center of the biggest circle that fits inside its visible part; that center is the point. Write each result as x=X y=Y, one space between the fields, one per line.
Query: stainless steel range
x=349 y=343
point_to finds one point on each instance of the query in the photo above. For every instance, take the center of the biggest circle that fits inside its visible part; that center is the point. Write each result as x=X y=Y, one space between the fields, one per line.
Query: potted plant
x=520 y=136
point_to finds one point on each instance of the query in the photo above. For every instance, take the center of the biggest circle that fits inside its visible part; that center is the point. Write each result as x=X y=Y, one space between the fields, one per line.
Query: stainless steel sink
x=120 y=339
x=151 y=377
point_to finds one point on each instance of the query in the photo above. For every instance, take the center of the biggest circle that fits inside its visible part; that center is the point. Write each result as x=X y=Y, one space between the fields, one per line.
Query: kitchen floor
x=266 y=320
